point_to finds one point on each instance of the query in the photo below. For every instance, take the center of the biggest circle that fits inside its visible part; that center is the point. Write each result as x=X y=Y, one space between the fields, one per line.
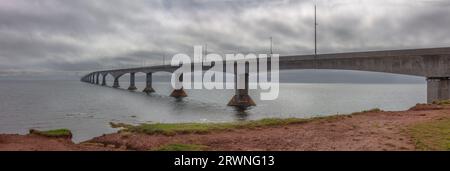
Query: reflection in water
x=87 y=109
x=179 y=99
x=241 y=113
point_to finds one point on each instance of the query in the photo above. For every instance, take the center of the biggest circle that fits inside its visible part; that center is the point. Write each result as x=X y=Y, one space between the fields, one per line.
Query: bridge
x=431 y=63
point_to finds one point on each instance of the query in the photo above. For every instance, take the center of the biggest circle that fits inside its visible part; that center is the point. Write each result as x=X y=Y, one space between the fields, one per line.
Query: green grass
x=181 y=147
x=367 y=111
x=442 y=102
x=202 y=128
x=433 y=135
x=184 y=128
x=53 y=133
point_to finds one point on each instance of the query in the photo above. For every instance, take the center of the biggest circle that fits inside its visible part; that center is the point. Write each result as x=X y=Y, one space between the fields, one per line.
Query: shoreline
x=372 y=130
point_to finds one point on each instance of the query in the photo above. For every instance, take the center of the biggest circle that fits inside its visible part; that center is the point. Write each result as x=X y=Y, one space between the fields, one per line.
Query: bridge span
x=431 y=63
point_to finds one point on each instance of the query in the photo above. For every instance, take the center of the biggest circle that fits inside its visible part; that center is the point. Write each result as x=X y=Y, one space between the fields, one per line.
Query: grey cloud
x=83 y=35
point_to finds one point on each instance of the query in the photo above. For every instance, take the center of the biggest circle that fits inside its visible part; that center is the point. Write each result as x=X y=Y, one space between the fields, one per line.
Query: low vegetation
x=184 y=128
x=374 y=110
x=419 y=107
x=182 y=147
x=56 y=133
x=442 y=102
x=171 y=129
x=202 y=128
x=434 y=135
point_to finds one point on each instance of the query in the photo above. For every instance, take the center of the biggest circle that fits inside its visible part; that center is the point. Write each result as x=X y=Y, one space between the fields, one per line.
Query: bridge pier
x=116 y=82
x=241 y=99
x=97 y=78
x=179 y=93
x=132 y=87
x=148 y=87
x=438 y=88
x=104 y=79
x=93 y=78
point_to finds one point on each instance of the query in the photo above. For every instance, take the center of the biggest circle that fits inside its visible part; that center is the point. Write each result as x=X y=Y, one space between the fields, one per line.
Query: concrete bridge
x=432 y=63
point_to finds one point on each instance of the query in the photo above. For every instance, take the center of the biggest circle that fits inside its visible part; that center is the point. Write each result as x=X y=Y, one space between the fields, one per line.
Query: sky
x=70 y=37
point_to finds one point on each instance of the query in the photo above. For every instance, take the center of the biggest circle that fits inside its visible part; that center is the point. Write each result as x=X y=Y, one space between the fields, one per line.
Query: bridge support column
x=438 y=88
x=148 y=88
x=132 y=87
x=179 y=93
x=241 y=98
x=97 y=78
x=104 y=79
x=116 y=82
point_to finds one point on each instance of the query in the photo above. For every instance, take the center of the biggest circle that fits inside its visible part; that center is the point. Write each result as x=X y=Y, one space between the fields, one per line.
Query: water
x=87 y=109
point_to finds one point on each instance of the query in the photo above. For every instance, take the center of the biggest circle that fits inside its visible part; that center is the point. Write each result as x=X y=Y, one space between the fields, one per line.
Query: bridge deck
x=289 y=58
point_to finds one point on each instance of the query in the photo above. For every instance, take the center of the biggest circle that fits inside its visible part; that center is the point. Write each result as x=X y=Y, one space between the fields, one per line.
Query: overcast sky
x=85 y=35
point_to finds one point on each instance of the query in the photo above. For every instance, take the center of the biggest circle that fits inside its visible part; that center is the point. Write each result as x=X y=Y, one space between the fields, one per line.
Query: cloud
x=84 y=35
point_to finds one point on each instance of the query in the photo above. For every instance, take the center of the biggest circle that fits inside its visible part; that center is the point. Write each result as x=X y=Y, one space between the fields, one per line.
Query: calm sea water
x=87 y=109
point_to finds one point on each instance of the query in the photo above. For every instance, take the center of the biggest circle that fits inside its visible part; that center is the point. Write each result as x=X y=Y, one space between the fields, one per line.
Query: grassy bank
x=433 y=135
x=182 y=147
x=201 y=128
x=56 y=133
x=184 y=128
x=442 y=102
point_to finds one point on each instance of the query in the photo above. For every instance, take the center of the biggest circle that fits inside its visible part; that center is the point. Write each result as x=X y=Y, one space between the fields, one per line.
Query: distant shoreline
x=142 y=81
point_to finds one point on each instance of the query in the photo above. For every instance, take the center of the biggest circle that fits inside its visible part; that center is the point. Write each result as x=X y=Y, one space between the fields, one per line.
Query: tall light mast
x=315 y=32
x=270 y=50
x=164 y=58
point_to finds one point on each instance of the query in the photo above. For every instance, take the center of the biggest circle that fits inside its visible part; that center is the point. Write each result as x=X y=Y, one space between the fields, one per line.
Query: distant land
x=290 y=76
